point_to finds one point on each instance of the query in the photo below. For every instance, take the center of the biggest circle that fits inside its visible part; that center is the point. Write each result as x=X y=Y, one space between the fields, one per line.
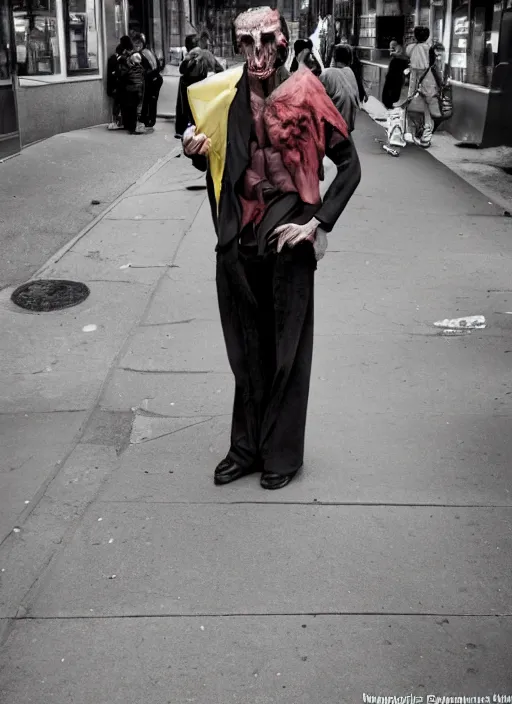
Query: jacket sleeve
x=344 y=156
x=199 y=162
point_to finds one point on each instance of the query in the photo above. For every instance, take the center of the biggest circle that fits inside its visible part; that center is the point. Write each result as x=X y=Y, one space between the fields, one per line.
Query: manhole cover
x=50 y=294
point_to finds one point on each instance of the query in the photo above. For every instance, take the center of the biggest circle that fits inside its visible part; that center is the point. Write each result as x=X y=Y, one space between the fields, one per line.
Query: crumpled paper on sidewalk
x=469 y=322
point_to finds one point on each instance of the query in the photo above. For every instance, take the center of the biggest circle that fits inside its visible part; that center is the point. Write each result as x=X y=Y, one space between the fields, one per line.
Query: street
x=383 y=569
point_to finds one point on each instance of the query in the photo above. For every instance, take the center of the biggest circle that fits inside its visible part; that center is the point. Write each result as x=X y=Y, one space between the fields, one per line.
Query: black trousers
x=266 y=308
x=131 y=107
x=149 y=107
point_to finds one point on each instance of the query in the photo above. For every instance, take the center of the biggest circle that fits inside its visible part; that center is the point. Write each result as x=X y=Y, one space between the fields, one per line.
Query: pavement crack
x=312 y=503
x=173 y=432
x=116 y=281
x=266 y=614
x=174 y=322
x=167 y=371
x=135 y=219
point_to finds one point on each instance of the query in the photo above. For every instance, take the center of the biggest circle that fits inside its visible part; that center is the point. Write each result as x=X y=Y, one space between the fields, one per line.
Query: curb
x=145 y=177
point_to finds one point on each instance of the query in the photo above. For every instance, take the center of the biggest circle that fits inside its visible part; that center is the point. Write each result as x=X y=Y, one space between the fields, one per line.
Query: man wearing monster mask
x=261 y=135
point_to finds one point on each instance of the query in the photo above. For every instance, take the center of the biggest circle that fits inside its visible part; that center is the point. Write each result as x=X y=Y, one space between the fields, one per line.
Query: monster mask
x=260 y=36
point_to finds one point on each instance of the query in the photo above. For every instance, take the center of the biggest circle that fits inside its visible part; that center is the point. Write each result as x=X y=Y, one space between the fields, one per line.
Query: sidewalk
x=47 y=191
x=383 y=569
x=488 y=170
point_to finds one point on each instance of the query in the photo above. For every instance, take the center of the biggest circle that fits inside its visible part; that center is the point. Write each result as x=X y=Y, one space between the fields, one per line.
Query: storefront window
x=121 y=18
x=475 y=35
x=157 y=30
x=36 y=36
x=82 y=36
x=5 y=72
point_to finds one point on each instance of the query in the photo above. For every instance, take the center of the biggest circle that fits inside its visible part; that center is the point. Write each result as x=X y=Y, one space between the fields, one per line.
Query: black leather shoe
x=271 y=481
x=229 y=471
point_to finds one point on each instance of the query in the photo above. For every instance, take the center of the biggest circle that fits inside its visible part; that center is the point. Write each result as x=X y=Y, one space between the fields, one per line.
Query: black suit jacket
x=227 y=217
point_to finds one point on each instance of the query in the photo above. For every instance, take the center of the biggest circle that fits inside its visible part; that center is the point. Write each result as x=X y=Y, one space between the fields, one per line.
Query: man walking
x=262 y=137
x=341 y=85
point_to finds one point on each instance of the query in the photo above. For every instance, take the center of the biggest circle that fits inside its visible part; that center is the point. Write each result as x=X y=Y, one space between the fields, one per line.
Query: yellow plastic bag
x=210 y=101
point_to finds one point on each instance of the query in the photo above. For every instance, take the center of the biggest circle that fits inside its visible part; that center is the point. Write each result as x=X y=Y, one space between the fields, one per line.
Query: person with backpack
x=131 y=82
x=195 y=67
x=423 y=88
x=152 y=80
x=114 y=82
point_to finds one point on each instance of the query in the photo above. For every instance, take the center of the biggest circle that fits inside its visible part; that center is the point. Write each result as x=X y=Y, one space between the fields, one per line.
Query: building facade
x=477 y=38
x=53 y=55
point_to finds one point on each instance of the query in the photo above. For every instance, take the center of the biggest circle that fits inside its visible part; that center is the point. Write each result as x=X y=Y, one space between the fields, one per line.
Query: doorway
x=9 y=130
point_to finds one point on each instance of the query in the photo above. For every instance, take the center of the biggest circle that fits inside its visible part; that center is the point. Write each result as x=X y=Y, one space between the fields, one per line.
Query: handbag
x=396 y=127
x=445 y=101
x=444 y=98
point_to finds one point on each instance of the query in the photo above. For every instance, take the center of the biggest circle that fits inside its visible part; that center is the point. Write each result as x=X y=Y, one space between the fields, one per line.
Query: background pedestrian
x=395 y=76
x=341 y=85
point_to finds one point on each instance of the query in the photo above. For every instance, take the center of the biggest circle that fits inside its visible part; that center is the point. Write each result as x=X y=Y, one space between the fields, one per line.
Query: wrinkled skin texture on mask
x=259 y=38
x=296 y=116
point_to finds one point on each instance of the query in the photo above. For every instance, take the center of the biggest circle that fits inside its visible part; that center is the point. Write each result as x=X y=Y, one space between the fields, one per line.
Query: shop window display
x=82 y=36
x=475 y=33
x=5 y=72
x=56 y=39
x=120 y=17
x=36 y=36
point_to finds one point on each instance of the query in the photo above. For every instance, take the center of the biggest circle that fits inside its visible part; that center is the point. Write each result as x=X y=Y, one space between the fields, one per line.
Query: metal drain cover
x=43 y=296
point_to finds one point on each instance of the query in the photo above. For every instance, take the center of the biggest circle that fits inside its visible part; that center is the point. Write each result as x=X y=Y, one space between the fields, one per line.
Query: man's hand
x=195 y=144
x=293 y=234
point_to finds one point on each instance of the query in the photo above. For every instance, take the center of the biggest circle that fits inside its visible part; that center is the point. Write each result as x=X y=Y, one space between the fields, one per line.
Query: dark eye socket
x=268 y=37
x=246 y=39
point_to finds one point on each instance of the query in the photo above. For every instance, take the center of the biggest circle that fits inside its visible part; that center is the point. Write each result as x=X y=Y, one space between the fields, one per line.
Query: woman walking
x=423 y=88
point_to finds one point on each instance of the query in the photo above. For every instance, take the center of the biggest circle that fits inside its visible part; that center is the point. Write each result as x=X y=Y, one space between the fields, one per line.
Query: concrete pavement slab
x=138 y=242
x=32 y=444
x=367 y=458
x=177 y=174
x=411 y=374
x=375 y=229
x=166 y=348
x=417 y=273
x=415 y=175
x=289 y=659
x=26 y=554
x=91 y=267
x=50 y=392
x=147 y=427
x=47 y=190
x=197 y=252
x=182 y=297
x=236 y=559
x=378 y=306
x=60 y=340
x=157 y=206
x=184 y=395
